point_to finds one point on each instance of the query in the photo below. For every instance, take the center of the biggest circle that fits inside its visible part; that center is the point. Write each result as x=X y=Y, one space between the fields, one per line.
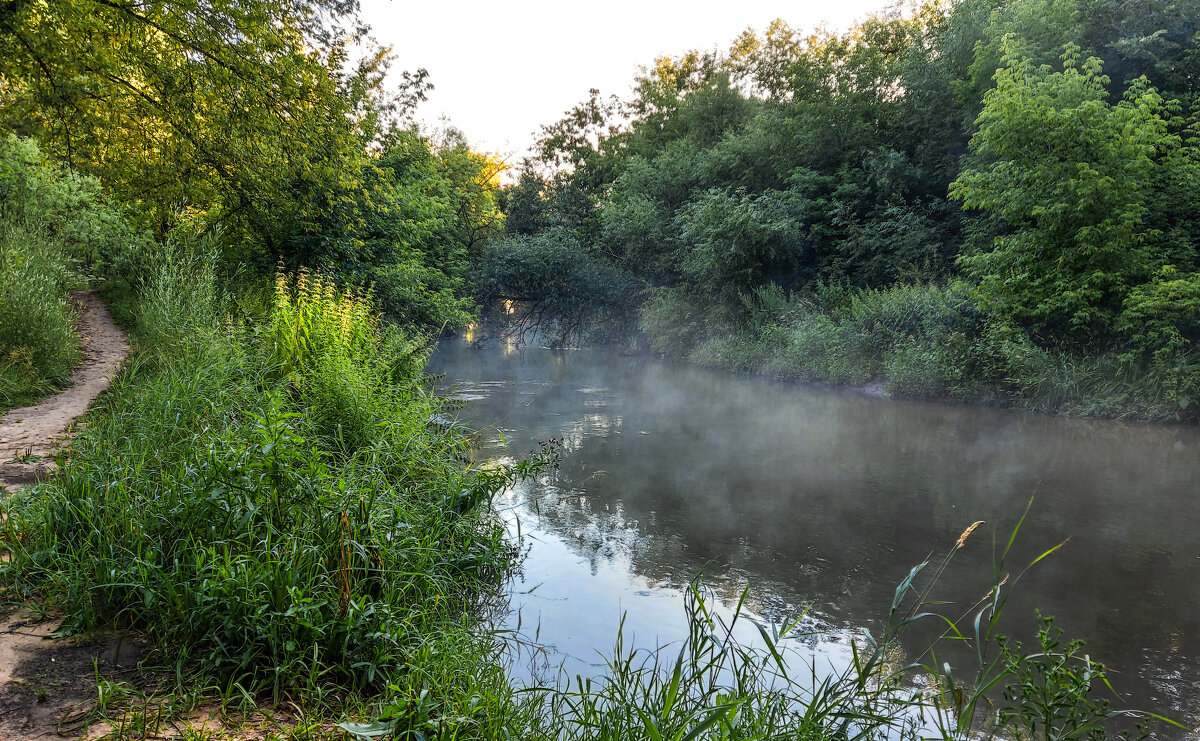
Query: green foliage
x=735 y=241
x=271 y=504
x=68 y=207
x=274 y=138
x=56 y=228
x=708 y=189
x=922 y=341
x=1046 y=694
x=38 y=346
x=958 y=144
x=1068 y=175
x=713 y=687
x=1051 y=693
x=404 y=228
x=674 y=320
x=341 y=361
x=552 y=284
x=916 y=338
x=1162 y=317
x=175 y=111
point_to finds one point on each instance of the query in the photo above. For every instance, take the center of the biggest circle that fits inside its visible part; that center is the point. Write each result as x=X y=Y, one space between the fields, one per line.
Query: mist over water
x=824 y=499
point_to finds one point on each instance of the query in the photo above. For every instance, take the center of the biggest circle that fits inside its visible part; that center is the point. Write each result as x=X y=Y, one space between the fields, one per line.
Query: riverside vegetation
x=983 y=200
x=264 y=498
x=267 y=494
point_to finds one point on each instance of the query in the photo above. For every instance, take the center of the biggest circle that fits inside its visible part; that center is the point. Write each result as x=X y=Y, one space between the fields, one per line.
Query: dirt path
x=48 y=686
x=43 y=680
x=30 y=435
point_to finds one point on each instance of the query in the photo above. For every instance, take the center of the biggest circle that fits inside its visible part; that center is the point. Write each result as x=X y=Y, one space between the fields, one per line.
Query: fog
x=824 y=499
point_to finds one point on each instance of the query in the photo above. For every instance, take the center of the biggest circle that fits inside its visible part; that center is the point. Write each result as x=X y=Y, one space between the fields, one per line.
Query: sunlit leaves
x=1068 y=174
x=193 y=106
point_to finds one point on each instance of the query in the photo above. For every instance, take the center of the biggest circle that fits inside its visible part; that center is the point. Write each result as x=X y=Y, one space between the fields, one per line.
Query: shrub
x=1162 y=318
x=67 y=209
x=918 y=337
x=267 y=532
x=38 y=345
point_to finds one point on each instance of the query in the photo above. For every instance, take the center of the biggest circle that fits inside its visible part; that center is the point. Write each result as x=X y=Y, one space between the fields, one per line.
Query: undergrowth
x=38 y=345
x=929 y=341
x=269 y=503
x=57 y=231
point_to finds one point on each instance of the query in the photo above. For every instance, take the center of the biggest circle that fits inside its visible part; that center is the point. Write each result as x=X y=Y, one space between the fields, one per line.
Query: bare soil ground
x=49 y=689
x=47 y=685
x=30 y=436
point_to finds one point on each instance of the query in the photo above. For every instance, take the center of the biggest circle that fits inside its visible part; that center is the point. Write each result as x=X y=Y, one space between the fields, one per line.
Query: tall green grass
x=57 y=231
x=268 y=502
x=929 y=341
x=38 y=344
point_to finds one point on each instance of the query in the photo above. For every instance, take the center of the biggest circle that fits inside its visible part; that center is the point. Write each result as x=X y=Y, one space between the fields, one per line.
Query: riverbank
x=926 y=341
x=263 y=507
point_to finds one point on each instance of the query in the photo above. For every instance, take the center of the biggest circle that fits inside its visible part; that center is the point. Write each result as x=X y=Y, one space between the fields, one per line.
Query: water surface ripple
x=823 y=499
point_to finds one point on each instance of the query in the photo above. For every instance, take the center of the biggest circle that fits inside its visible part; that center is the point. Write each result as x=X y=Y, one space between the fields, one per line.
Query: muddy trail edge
x=42 y=681
x=29 y=436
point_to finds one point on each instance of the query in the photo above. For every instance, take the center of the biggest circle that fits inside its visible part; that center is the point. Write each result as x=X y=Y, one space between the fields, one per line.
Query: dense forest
x=984 y=200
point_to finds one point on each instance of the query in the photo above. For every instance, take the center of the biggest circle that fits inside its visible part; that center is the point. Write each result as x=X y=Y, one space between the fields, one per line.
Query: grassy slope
x=269 y=504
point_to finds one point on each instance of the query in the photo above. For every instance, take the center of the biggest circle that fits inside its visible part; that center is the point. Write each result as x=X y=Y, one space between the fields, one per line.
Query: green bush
x=38 y=345
x=1162 y=318
x=56 y=230
x=350 y=371
x=917 y=338
x=266 y=531
x=68 y=210
x=929 y=341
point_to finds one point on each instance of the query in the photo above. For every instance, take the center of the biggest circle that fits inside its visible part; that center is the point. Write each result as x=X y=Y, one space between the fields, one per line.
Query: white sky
x=502 y=69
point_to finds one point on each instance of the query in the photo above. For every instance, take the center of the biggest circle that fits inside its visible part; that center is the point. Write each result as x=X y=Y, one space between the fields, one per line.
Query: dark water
x=824 y=499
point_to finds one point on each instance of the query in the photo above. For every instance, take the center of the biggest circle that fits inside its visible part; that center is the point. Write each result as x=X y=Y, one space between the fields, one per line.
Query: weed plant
x=269 y=503
x=711 y=686
x=929 y=341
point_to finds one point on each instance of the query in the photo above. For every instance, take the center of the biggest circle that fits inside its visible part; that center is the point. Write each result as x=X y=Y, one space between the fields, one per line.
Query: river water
x=822 y=500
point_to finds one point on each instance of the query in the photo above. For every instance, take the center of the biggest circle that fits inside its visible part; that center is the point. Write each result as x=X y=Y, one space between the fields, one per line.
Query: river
x=822 y=500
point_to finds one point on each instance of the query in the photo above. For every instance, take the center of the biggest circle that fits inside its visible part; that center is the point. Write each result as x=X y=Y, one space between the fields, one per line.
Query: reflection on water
x=824 y=499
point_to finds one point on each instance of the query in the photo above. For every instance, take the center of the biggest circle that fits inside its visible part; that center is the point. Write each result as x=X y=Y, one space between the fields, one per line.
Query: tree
x=738 y=242
x=552 y=284
x=1067 y=176
x=207 y=108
